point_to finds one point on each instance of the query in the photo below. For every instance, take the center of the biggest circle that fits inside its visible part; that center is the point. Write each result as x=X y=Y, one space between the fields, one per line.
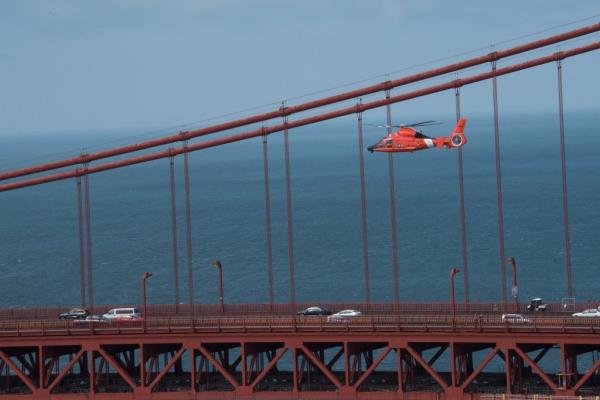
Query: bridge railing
x=260 y=324
x=172 y=310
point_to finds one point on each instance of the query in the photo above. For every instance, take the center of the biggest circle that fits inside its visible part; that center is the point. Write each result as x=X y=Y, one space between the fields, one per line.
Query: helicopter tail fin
x=458 y=138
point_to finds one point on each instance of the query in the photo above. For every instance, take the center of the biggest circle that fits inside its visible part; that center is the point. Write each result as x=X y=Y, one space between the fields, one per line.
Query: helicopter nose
x=371 y=148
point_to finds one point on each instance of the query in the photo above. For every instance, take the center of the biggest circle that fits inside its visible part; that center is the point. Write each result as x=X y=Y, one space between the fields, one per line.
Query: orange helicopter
x=408 y=139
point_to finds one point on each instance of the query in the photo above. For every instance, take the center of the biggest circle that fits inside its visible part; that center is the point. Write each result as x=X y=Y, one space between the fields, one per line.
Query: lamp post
x=217 y=264
x=515 y=289
x=145 y=276
x=453 y=272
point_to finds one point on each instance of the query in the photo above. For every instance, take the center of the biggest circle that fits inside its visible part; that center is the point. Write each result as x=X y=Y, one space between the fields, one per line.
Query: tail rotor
x=458 y=138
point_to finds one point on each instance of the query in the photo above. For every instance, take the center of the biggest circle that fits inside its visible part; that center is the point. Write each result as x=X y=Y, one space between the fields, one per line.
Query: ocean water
x=131 y=220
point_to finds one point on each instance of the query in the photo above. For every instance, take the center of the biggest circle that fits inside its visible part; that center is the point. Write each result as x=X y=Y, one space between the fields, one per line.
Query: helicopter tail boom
x=458 y=138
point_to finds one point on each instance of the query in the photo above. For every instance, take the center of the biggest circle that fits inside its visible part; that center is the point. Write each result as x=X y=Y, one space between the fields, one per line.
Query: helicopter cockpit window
x=388 y=142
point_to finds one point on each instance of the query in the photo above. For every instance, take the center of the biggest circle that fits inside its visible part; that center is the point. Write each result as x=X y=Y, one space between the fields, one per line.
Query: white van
x=123 y=313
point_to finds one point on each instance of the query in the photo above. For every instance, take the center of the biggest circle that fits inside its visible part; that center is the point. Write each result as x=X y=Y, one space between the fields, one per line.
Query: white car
x=122 y=314
x=343 y=316
x=515 y=319
x=589 y=313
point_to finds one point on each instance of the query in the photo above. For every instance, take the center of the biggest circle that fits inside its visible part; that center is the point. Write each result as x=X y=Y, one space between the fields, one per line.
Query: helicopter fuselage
x=407 y=139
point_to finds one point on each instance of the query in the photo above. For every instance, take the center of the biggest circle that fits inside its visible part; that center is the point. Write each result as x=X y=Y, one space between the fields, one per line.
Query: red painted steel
x=217 y=264
x=145 y=277
x=308 y=120
x=501 y=251
x=88 y=236
x=81 y=242
x=491 y=324
x=565 y=197
x=461 y=193
x=289 y=210
x=268 y=219
x=241 y=310
x=308 y=105
x=188 y=225
x=326 y=359
x=363 y=208
x=393 y=214
x=174 y=228
x=513 y=264
x=453 y=272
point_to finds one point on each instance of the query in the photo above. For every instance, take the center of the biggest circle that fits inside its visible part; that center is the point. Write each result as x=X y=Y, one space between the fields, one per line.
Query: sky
x=145 y=65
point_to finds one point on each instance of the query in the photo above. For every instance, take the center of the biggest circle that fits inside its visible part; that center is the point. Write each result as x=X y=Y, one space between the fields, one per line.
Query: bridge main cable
x=280 y=113
x=308 y=120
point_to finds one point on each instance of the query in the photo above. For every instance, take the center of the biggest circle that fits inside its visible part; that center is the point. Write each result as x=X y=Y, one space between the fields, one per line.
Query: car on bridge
x=537 y=305
x=123 y=314
x=515 y=319
x=344 y=316
x=314 y=311
x=91 y=319
x=589 y=313
x=74 y=313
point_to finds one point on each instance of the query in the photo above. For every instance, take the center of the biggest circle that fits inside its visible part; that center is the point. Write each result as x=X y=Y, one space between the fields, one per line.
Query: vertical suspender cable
x=563 y=161
x=81 y=242
x=461 y=189
x=174 y=231
x=363 y=203
x=288 y=189
x=188 y=227
x=268 y=219
x=88 y=229
x=394 y=238
x=499 y=189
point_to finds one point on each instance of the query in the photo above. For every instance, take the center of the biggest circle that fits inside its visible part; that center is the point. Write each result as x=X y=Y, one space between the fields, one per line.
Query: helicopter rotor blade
x=433 y=123
x=385 y=126
x=412 y=125
x=423 y=123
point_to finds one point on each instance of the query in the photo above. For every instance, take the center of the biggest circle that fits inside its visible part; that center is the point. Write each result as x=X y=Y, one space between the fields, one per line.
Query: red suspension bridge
x=266 y=351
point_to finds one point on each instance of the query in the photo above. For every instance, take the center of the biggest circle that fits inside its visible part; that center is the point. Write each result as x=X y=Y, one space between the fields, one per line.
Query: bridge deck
x=291 y=357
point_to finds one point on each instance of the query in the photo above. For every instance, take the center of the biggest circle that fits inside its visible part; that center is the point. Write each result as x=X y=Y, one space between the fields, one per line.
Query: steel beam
x=371 y=368
x=483 y=364
x=66 y=370
x=268 y=367
x=117 y=366
x=167 y=367
x=320 y=365
x=426 y=367
x=537 y=369
x=219 y=367
x=26 y=380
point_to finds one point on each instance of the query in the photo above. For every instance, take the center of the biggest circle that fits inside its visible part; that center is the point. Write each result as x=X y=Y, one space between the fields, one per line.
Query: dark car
x=315 y=311
x=536 y=305
x=74 y=313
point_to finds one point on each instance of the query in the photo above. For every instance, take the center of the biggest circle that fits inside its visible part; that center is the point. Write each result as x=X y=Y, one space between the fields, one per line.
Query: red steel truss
x=296 y=358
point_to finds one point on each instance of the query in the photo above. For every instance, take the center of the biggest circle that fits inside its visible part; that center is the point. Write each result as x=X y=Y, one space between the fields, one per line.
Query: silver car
x=589 y=313
x=344 y=316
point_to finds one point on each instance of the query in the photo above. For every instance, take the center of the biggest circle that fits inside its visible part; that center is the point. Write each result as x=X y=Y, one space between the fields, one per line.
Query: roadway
x=479 y=323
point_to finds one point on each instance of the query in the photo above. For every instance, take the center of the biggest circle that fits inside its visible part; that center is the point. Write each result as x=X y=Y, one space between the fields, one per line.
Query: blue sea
x=131 y=217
